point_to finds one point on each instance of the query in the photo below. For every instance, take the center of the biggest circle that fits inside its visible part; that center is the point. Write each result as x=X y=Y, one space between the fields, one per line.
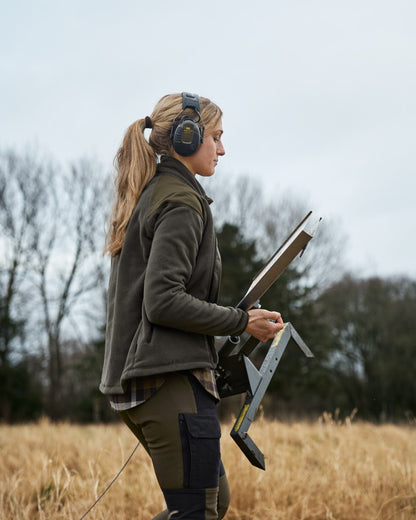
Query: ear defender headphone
x=186 y=133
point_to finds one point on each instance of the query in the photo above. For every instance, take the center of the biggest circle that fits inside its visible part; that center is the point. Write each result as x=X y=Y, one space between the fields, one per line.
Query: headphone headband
x=191 y=101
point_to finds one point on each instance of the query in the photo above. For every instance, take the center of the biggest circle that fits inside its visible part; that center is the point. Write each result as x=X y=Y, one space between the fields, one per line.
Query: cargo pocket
x=200 y=437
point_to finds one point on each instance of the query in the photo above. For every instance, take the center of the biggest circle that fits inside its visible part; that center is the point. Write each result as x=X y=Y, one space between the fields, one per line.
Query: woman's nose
x=220 y=149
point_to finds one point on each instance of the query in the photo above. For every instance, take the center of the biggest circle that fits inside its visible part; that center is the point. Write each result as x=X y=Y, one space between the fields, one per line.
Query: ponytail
x=136 y=165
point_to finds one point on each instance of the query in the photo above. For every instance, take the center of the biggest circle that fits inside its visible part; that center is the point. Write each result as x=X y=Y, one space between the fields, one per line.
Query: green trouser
x=179 y=428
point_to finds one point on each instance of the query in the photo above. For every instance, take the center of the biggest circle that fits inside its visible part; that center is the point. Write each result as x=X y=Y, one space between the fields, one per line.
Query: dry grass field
x=319 y=470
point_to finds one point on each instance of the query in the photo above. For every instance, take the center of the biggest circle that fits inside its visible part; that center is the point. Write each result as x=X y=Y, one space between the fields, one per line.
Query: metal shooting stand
x=236 y=374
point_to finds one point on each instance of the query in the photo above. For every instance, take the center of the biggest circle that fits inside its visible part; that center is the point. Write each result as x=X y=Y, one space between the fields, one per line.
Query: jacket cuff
x=243 y=322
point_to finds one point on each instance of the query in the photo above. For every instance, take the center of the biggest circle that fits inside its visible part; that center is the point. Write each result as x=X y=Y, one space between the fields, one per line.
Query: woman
x=162 y=313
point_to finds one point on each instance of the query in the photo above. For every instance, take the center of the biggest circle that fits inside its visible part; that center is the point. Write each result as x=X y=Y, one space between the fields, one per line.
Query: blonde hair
x=136 y=159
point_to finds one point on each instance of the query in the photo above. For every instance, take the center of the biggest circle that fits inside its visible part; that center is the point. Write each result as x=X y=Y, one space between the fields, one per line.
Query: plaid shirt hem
x=140 y=389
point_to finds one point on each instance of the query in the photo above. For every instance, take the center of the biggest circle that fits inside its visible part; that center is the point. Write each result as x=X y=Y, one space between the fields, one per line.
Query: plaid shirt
x=139 y=390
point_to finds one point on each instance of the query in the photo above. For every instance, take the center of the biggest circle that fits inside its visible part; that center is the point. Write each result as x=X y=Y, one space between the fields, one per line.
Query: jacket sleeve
x=175 y=245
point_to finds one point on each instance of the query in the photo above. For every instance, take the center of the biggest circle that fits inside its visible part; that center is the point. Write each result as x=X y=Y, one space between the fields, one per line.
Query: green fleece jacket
x=164 y=283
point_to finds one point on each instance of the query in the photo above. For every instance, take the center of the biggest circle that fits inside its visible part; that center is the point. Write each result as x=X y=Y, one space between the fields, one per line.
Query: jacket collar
x=175 y=167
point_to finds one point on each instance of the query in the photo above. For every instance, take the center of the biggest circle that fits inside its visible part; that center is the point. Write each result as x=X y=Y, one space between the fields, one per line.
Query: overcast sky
x=318 y=96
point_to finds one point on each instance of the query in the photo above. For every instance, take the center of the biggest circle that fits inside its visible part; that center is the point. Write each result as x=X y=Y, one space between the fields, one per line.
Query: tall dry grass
x=321 y=470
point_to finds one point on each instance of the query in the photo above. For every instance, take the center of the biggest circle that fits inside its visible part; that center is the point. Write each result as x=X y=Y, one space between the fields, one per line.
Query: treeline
x=53 y=281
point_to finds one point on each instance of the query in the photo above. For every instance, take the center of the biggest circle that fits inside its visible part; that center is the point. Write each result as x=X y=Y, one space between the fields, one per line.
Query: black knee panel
x=185 y=503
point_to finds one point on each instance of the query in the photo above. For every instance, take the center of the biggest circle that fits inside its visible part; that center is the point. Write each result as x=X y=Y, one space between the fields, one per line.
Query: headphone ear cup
x=186 y=137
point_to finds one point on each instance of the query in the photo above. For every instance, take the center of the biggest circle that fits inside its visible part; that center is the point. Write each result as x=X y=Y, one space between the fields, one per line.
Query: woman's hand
x=263 y=324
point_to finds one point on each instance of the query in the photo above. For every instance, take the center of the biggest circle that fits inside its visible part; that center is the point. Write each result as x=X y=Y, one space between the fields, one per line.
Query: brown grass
x=321 y=470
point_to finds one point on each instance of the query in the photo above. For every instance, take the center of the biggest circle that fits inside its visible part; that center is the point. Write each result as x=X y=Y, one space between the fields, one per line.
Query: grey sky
x=318 y=96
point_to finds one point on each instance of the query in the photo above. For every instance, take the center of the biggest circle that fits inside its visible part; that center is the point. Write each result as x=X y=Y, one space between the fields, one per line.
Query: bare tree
x=23 y=183
x=52 y=223
x=69 y=264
